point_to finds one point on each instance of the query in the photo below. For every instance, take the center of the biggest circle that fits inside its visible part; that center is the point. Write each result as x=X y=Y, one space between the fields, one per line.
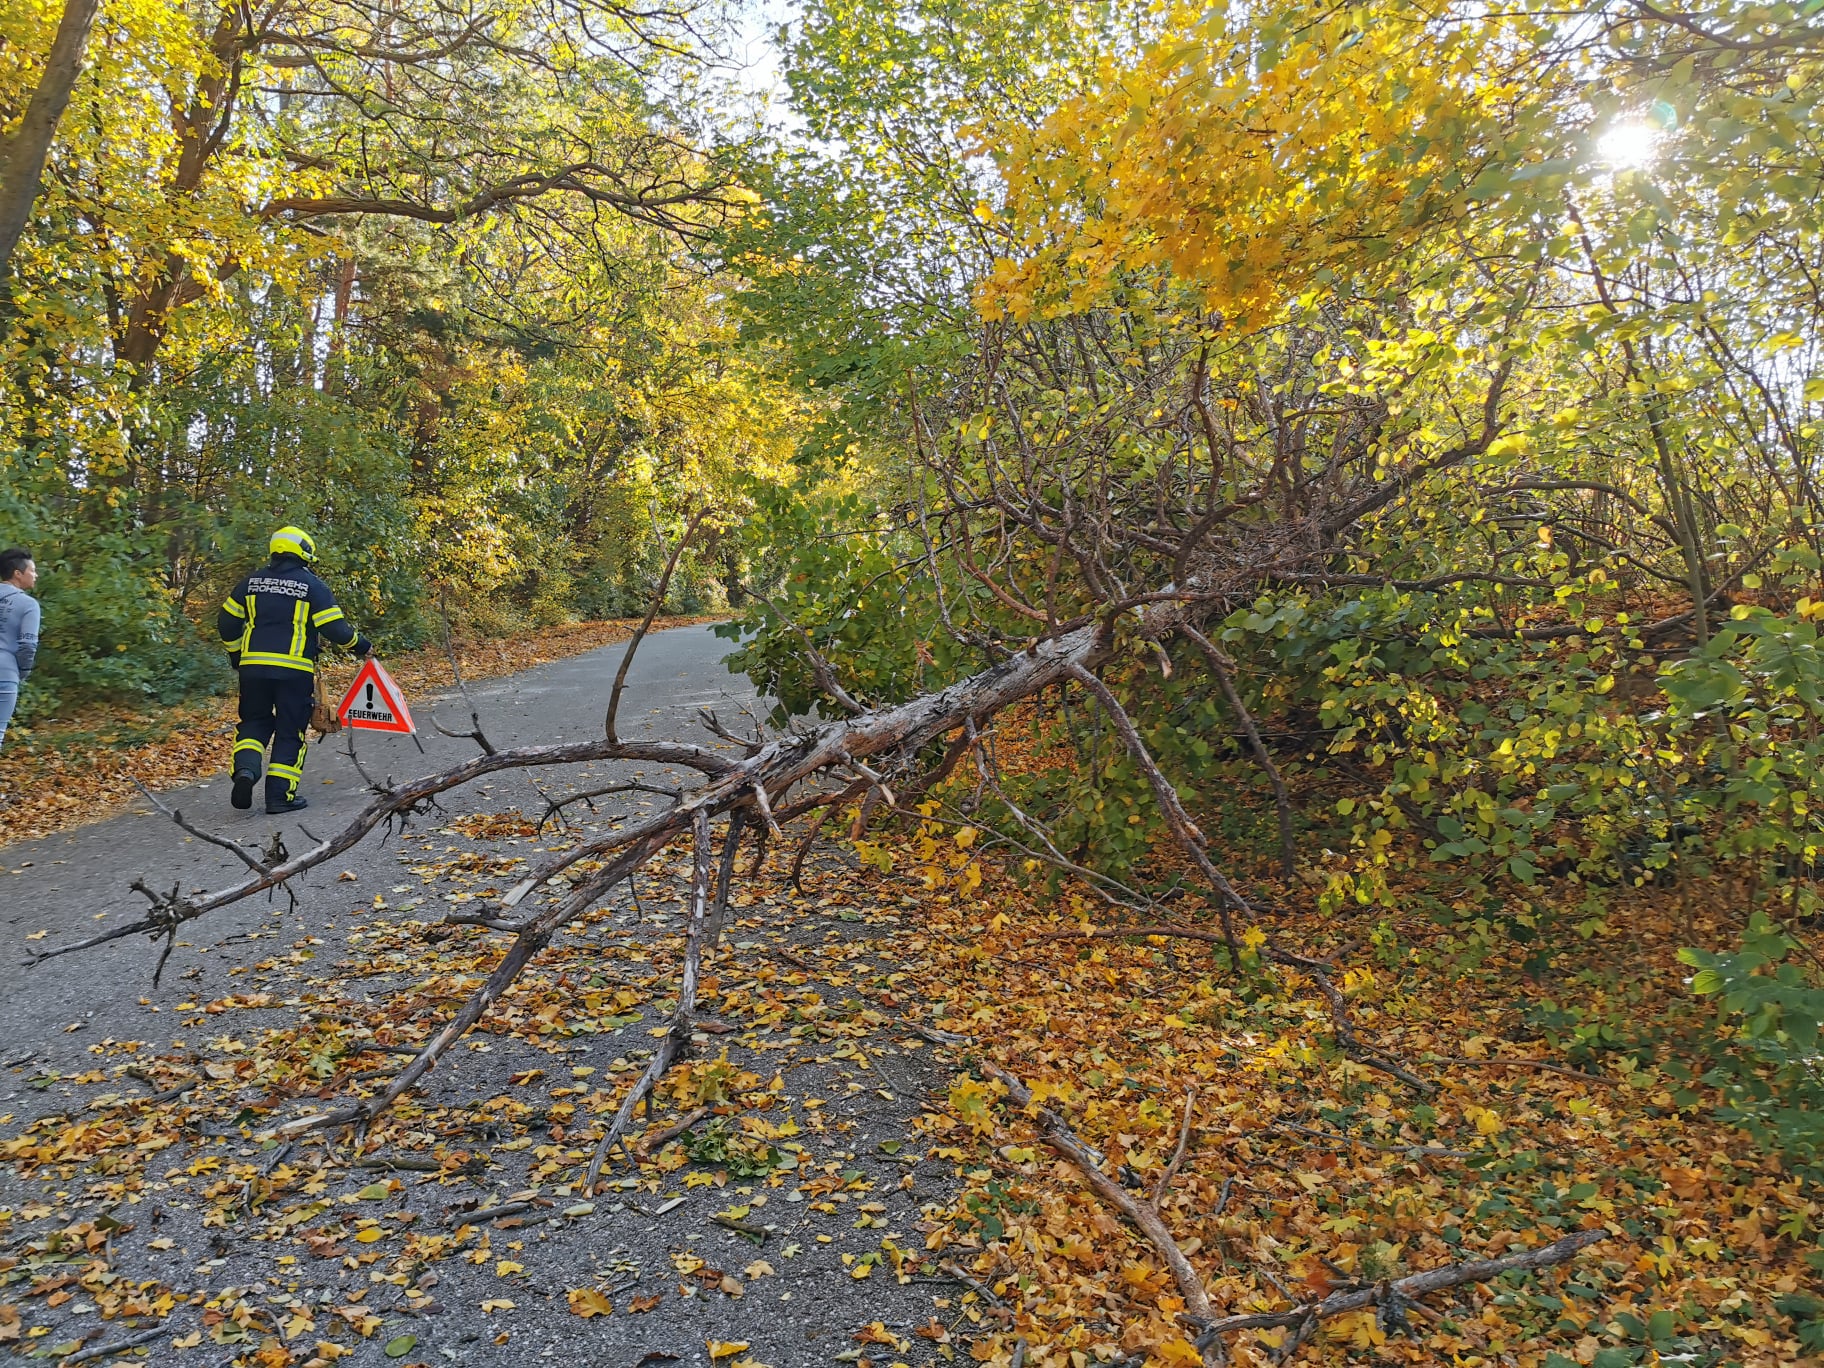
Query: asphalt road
x=86 y=1037
x=74 y=884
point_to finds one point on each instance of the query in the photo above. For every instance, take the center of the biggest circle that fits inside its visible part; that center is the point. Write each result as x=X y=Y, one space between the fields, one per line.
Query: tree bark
x=23 y=156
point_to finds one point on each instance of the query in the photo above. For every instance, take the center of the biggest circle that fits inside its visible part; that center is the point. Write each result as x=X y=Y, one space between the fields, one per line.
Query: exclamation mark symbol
x=370 y=695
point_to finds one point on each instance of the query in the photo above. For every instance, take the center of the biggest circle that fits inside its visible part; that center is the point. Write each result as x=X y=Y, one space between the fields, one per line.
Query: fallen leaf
x=400 y=1345
x=640 y=1305
x=587 y=1302
x=725 y=1348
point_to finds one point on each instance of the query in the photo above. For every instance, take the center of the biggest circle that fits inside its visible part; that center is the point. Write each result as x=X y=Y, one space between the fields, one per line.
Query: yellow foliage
x=1255 y=156
x=969 y=1099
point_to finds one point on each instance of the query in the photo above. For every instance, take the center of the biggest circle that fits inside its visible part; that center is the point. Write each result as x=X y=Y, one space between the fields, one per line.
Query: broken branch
x=1392 y=1294
x=1144 y=1215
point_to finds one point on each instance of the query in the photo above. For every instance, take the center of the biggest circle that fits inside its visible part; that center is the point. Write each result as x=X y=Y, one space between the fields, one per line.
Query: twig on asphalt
x=118 y=1347
x=673 y=1131
x=222 y=842
x=677 y=1039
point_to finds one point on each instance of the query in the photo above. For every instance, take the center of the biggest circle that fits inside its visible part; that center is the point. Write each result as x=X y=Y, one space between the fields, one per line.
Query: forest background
x=1412 y=408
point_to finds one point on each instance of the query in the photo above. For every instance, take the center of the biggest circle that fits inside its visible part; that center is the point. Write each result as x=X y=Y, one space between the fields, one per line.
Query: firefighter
x=270 y=625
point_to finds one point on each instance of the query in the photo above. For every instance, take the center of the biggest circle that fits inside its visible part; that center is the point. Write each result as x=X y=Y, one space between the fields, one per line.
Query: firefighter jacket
x=272 y=620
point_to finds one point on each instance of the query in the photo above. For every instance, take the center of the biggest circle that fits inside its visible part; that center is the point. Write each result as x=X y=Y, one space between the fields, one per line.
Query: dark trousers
x=275 y=710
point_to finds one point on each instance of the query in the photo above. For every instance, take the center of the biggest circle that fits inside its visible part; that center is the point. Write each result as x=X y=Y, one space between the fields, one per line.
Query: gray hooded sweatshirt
x=18 y=633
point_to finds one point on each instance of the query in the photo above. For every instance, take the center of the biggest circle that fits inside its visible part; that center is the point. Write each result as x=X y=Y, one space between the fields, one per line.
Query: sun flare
x=1628 y=146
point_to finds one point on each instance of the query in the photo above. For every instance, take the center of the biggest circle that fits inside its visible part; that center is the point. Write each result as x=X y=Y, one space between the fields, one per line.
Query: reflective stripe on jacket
x=274 y=616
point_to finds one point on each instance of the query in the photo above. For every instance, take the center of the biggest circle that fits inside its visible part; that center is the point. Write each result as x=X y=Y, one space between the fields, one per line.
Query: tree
x=24 y=150
x=1315 y=399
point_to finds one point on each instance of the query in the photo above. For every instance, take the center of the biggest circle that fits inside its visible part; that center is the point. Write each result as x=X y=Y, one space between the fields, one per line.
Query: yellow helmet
x=293 y=541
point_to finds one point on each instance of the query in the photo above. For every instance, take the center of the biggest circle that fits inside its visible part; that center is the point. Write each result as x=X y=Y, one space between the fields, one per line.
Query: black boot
x=282 y=796
x=242 y=797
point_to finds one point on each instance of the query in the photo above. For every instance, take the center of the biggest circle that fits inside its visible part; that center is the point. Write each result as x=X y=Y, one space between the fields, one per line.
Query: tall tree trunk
x=334 y=370
x=22 y=156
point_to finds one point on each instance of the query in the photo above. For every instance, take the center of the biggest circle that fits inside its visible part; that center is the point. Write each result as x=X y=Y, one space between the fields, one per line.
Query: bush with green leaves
x=112 y=628
x=861 y=595
x=1770 y=1065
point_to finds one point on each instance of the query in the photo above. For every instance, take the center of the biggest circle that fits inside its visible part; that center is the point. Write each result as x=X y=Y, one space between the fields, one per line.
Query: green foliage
x=1773 y=1015
x=111 y=628
x=202 y=336
x=723 y=1146
x=989 y=1209
x=839 y=574
x=1806 y=1313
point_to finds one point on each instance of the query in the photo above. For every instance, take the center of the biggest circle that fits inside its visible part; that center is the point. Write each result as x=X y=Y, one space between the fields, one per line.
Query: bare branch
x=1059 y=1135
x=676 y=1043
x=1223 y=667
x=652 y=611
x=1190 y=837
x=1393 y=1296
x=235 y=848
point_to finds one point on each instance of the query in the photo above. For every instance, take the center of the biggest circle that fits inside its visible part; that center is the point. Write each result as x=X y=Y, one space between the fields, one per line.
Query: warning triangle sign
x=373 y=702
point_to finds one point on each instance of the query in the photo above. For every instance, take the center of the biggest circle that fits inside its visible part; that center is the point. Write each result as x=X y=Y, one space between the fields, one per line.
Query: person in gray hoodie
x=18 y=628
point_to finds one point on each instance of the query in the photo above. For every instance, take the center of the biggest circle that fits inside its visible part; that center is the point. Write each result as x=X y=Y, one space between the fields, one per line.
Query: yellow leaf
x=507 y=1266
x=587 y=1302
x=493 y=1304
x=970 y=1100
x=724 y=1348
x=1181 y=1351
x=369 y=1235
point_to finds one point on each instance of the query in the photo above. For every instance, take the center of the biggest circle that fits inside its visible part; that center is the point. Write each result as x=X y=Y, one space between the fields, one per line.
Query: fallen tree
x=1062 y=618
x=758 y=787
